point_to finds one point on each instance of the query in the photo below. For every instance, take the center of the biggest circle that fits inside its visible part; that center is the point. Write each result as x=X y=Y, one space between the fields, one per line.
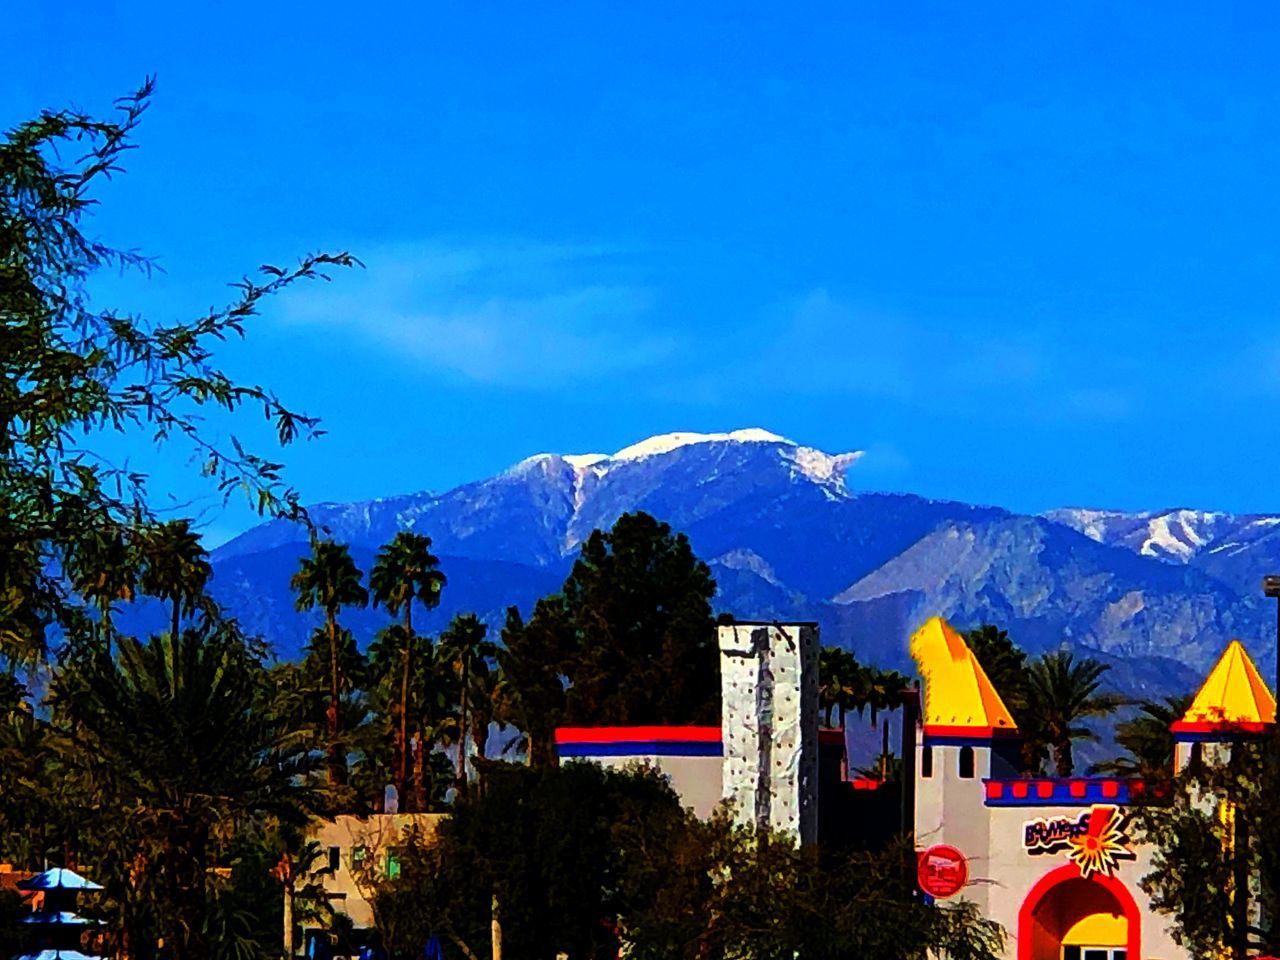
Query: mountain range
x=789 y=535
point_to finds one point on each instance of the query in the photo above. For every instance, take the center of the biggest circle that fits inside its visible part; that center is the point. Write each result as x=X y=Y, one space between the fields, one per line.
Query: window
x=1197 y=753
x=393 y=863
x=335 y=858
x=358 y=855
x=926 y=761
x=1073 y=952
x=966 y=763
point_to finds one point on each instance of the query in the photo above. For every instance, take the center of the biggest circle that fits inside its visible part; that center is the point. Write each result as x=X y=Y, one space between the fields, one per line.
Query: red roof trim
x=662 y=734
x=974 y=733
x=1220 y=726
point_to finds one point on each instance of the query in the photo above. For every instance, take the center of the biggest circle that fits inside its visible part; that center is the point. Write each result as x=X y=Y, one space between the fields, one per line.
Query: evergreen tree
x=642 y=645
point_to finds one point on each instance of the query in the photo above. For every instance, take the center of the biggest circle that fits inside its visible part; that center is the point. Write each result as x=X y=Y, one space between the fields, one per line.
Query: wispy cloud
x=529 y=315
x=819 y=345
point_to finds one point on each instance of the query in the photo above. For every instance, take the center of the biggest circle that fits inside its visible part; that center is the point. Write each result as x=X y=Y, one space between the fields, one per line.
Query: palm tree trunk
x=495 y=930
x=462 y=727
x=402 y=746
x=1065 y=762
x=177 y=609
x=331 y=714
x=288 y=923
x=419 y=774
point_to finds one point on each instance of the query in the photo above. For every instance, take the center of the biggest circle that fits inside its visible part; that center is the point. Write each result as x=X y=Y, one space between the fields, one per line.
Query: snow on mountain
x=813 y=464
x=1175 y=536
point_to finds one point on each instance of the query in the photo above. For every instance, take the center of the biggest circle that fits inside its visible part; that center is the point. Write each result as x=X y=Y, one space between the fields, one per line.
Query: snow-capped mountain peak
x=666 y=442
x=809 y=463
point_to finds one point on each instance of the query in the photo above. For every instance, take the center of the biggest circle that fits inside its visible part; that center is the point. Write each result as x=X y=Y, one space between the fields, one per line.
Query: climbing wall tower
x=769 y=724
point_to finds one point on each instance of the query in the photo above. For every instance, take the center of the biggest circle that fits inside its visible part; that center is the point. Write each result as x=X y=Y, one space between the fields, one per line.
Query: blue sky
x=1026 y=257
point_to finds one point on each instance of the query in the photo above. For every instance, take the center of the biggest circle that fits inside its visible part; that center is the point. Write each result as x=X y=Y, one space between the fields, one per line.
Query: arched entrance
x=1066 y=917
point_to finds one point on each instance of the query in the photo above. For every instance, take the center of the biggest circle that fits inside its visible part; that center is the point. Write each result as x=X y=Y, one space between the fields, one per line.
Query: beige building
x=357 y=852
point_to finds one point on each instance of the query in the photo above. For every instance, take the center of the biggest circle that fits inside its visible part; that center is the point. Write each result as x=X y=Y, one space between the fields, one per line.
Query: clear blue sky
x=1021 y=257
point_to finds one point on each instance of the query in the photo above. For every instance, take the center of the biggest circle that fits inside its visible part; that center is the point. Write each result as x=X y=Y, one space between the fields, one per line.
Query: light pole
x=1271 y=588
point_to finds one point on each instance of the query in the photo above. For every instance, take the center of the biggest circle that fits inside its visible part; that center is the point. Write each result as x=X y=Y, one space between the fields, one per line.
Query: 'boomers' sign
x=1095 y=841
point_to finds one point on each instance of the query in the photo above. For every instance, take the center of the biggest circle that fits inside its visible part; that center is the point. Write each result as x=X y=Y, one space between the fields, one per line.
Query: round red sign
x=943 y=871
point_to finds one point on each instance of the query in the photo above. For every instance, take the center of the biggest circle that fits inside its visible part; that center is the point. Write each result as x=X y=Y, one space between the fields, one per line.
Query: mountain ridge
x=788 y=534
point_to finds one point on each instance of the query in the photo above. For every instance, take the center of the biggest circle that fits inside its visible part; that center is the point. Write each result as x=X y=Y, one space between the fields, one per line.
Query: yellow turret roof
x=1234 y=697
x=959 y=700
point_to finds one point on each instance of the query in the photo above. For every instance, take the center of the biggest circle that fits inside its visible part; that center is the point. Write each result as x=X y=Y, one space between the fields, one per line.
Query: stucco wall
x=695 y=779
x=952 y=810
x=370 y=838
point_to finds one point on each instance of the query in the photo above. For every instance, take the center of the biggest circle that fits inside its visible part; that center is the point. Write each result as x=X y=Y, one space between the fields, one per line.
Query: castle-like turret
x=1233 y=703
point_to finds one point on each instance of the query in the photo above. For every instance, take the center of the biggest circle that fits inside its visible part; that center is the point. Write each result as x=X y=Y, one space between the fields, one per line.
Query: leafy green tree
x=582 y=860
x=1216 y=870
x=1148 y=740
x=405 y=572
x=329 y=580
x=1062 y=692
x=1006 y=666
x=174 y=567
x=530 y=658
x=103 y=569
x=73 y=374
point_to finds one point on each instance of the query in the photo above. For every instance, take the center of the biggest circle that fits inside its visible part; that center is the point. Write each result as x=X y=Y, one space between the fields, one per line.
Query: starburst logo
x=1103 y=844
x=1096 y=841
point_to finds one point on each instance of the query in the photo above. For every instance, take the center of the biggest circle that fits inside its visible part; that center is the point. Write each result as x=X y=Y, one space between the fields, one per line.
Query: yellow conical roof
x=958 y=697
x=1234 y=696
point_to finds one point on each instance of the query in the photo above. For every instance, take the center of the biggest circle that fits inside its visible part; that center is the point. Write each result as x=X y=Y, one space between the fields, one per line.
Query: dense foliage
x=1217 y=872
x=582 y=861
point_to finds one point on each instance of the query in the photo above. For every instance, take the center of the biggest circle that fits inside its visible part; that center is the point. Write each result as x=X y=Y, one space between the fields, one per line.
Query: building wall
x=949 y=809
x=769 y=724
x=953 y=810
x=696 y=780
x=1010 y=873
x=362 y=848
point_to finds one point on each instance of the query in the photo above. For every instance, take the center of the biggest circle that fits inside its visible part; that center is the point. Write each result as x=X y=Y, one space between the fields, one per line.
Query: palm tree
x=838 y=672
x=102 y=568
x=464 y=649
x=305 y=899
x=1062 y=692
x=174 y=742
x=404 y=572
x=1148 y=740
x=330 y=580
x=175 y=567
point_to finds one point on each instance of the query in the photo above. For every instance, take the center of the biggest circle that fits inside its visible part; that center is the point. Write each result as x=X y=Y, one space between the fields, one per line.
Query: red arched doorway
x=1064 y=906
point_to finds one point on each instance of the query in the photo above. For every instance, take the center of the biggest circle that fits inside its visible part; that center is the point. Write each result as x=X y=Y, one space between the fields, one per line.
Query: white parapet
x=769 y=725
